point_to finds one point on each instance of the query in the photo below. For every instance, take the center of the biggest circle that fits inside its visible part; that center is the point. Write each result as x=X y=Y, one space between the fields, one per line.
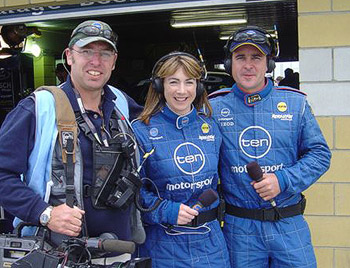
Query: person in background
x=296 y=81
x=291 y=79
x=183 y=144
x=274 y=128
x=61 y=73
x=278 y=80
x=29 y=147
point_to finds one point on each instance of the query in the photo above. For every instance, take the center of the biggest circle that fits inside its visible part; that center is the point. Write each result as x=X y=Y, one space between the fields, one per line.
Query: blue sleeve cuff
x=282 y=180
x=173 y=212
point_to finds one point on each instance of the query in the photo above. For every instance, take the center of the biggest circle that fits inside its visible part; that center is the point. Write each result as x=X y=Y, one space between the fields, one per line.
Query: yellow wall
x=324 y=30
x=325 y=24
x=44 y=70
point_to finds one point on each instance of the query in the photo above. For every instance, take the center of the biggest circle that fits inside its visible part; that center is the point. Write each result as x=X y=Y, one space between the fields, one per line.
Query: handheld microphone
x=256 y=174
x=205 y=199
x=111 y=245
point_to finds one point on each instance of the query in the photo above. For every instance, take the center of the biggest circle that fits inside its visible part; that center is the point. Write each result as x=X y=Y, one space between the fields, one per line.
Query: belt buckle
x=269 y=215
x=70 y=189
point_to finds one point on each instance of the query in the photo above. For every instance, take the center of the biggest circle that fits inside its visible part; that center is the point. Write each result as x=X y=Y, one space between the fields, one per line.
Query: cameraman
x=29 y=146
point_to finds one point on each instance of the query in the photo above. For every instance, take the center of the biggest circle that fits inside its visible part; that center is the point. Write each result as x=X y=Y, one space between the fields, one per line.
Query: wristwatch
x=46 y=216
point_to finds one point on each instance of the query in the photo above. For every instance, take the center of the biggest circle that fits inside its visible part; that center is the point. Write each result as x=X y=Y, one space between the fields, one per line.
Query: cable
x=200 y=55
x=156 y=204
x=137 y=195
x=64 y=61
x=170 y=230
x=276 y=41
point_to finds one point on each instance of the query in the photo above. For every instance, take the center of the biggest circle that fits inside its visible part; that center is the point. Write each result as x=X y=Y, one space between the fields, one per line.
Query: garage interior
x=145 y=36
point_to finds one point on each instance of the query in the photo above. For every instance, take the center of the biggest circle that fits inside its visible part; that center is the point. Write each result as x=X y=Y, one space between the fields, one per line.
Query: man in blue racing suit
x=274 y=127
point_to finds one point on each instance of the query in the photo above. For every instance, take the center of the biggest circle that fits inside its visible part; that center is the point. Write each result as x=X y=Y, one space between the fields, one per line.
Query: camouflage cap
x=92 y=31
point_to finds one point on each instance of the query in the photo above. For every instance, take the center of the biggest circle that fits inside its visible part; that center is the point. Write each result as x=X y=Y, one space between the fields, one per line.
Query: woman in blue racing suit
x=181 y=146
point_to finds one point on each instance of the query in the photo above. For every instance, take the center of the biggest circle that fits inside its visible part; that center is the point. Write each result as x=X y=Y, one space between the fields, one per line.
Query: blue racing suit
x=276 y=128
x=183 y=165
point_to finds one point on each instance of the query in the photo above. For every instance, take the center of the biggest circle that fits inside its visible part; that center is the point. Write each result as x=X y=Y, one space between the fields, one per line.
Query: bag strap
x=68 y=135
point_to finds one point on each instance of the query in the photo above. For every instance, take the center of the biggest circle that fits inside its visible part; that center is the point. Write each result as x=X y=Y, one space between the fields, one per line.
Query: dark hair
x=60 y=67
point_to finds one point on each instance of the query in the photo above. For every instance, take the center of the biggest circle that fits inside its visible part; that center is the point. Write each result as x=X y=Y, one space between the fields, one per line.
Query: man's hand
x=268 y=187
x=186 y=214
x=66 y=220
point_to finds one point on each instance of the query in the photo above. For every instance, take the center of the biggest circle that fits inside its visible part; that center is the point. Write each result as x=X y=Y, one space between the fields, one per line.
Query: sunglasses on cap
x=255 y=36
x=91 y=30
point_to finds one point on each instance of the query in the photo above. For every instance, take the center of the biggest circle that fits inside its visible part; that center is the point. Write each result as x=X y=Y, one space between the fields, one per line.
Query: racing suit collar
x=180 y=121
x=251 y=99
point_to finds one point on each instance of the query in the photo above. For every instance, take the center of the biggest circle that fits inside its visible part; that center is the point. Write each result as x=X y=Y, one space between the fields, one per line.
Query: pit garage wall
x=44 y=66
x=324 y=54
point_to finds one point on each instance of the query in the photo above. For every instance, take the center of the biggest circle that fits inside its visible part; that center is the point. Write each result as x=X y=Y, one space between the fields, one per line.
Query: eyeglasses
x=91 y=30
x=256 y=37
x=105 y=55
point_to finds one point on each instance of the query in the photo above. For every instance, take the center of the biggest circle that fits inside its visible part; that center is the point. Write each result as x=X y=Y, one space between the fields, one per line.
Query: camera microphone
x=256 y=174
x=205 y=199
x=111 y=245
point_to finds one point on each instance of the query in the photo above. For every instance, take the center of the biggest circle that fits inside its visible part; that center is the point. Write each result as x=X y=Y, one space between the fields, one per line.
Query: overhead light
x=35 y=50
x=15 y=35
x=224 y=37
x=185 y=24
x=31 y=47
x=13 y=40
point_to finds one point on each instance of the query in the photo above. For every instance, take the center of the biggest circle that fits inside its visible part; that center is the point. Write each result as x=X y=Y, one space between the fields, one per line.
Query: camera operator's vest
x=53 y=150
x=115 y=179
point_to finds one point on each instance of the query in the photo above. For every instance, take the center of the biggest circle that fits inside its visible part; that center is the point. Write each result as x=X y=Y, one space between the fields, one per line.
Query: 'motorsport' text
x=189 y=185
x=265 y=169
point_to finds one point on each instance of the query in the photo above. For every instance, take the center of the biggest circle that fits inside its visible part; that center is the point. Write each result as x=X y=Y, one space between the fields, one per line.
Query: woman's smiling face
x=180 y=92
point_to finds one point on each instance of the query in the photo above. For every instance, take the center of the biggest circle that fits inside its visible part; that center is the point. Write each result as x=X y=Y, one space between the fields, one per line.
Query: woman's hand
x=186 y=214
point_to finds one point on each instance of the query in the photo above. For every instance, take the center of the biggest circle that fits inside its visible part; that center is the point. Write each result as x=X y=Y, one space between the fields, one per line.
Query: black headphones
x=157 y=82
x=270 y=42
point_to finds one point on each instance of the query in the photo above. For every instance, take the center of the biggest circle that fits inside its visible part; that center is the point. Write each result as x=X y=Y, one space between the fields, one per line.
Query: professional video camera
x=36 y=252
x=56 y=259
x=13 y=246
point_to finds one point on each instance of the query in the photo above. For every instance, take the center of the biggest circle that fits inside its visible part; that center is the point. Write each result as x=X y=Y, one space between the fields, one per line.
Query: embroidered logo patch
x=205 y=128
x=225 y=112
x=282 y=106
x=253 y=98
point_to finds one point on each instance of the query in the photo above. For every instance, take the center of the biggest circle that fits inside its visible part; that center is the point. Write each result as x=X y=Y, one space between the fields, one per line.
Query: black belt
x=203 y=217
x=268 y=214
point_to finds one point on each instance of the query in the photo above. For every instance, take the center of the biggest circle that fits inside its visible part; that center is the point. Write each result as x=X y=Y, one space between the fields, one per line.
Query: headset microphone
x=205 y=199
x=256 y=174
x=270 y=42
x=64 y=61
x=157 y=82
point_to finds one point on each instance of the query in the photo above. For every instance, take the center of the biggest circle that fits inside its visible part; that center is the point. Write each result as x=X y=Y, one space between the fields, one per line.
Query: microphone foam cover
x=254 y=171
x=208 y=197
x=114 y=245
